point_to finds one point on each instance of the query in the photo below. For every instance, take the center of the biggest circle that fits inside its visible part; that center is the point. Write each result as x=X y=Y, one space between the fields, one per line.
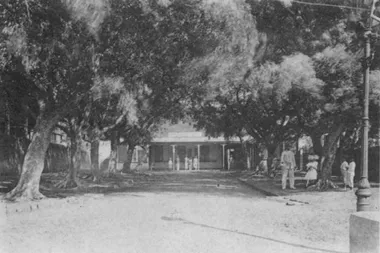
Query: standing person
x=170 y=164
x=190 y=163
x=288 y=164
x=312 y=168
x=343 y=171
x=351 y=174
x=195 y=163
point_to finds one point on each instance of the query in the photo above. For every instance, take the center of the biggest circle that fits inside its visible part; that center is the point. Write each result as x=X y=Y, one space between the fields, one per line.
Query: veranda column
x=228 y=159
x=199 y=157
x=223 y=155
x=173 y=159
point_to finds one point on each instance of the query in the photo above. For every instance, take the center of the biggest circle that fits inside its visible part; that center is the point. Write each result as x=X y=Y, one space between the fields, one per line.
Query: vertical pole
x=363 y=193
x=173 y=164
x=224 y=156
x=199 y=157
x=301 y=159
x=228 y=159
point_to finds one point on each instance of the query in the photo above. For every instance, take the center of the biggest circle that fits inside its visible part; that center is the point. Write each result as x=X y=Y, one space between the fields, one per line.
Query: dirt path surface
x=177 y=212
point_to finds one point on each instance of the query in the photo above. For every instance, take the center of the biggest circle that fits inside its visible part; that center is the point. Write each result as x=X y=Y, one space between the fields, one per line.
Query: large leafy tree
x=53 y=52
x=260 y=104
x=284 y=30
x=158 y=43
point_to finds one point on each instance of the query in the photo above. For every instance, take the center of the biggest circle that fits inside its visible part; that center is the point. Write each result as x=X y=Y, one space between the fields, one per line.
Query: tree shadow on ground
x=200 y=182
x=247 y=234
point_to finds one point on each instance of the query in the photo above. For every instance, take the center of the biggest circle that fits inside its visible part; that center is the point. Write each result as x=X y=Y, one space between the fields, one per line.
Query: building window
x=205 y=153
x=158 y=153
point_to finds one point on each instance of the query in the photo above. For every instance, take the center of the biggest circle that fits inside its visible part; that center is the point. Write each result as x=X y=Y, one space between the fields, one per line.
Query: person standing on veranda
x=351 y=174
x=343 y=171
x=288 y=165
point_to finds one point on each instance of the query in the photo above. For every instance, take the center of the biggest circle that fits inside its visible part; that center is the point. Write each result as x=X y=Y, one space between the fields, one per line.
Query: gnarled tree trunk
x=327 y=159
x=95 y=160
x=112 y=164
x=28 y=185
x=71 y=180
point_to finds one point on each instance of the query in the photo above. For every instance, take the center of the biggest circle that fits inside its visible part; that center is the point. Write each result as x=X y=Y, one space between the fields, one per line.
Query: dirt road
x=177 y=212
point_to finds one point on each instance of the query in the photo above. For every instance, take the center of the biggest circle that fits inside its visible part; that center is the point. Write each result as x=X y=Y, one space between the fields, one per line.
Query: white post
x=301 y=159
x=223 y=155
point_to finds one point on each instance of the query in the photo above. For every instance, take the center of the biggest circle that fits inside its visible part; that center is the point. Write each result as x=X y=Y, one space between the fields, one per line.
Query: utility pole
x=364 y=192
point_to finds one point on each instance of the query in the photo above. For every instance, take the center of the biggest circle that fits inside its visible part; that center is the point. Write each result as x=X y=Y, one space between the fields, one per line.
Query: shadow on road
x=217 y=183
x=246 y=234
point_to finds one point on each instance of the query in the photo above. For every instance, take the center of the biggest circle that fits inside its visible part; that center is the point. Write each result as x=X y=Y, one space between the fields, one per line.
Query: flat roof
x=200 y=139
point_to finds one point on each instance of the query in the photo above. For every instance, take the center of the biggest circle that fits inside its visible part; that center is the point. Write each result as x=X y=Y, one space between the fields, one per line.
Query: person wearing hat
x=311 y=168
x=288 y=164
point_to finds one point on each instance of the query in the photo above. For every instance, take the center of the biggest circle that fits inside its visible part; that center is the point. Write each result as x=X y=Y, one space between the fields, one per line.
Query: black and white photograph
x=189 y=126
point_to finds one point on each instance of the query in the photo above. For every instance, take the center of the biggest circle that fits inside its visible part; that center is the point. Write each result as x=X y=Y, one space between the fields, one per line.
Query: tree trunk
x=71 y=180
x=245 y=154
x=317 y=147
x=21 y=148
x=112 y=164
x=327 y=159
x=95 y=160
x=271 y=155
x=8 y=118
x=127 y=163
x=28 y=185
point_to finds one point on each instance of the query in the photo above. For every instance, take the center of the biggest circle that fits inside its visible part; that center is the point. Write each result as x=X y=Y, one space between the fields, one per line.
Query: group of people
x=190 y=163
x=288 y=166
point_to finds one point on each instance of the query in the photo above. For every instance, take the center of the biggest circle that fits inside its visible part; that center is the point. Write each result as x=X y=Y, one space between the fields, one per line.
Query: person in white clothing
x=288 y=164
x=351 y=174
x=170 y=164
x=312 y=168
x=195 y=163
x=343 y=171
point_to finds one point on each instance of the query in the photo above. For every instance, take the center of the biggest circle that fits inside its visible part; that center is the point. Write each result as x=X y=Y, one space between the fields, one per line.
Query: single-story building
x=204 y=152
